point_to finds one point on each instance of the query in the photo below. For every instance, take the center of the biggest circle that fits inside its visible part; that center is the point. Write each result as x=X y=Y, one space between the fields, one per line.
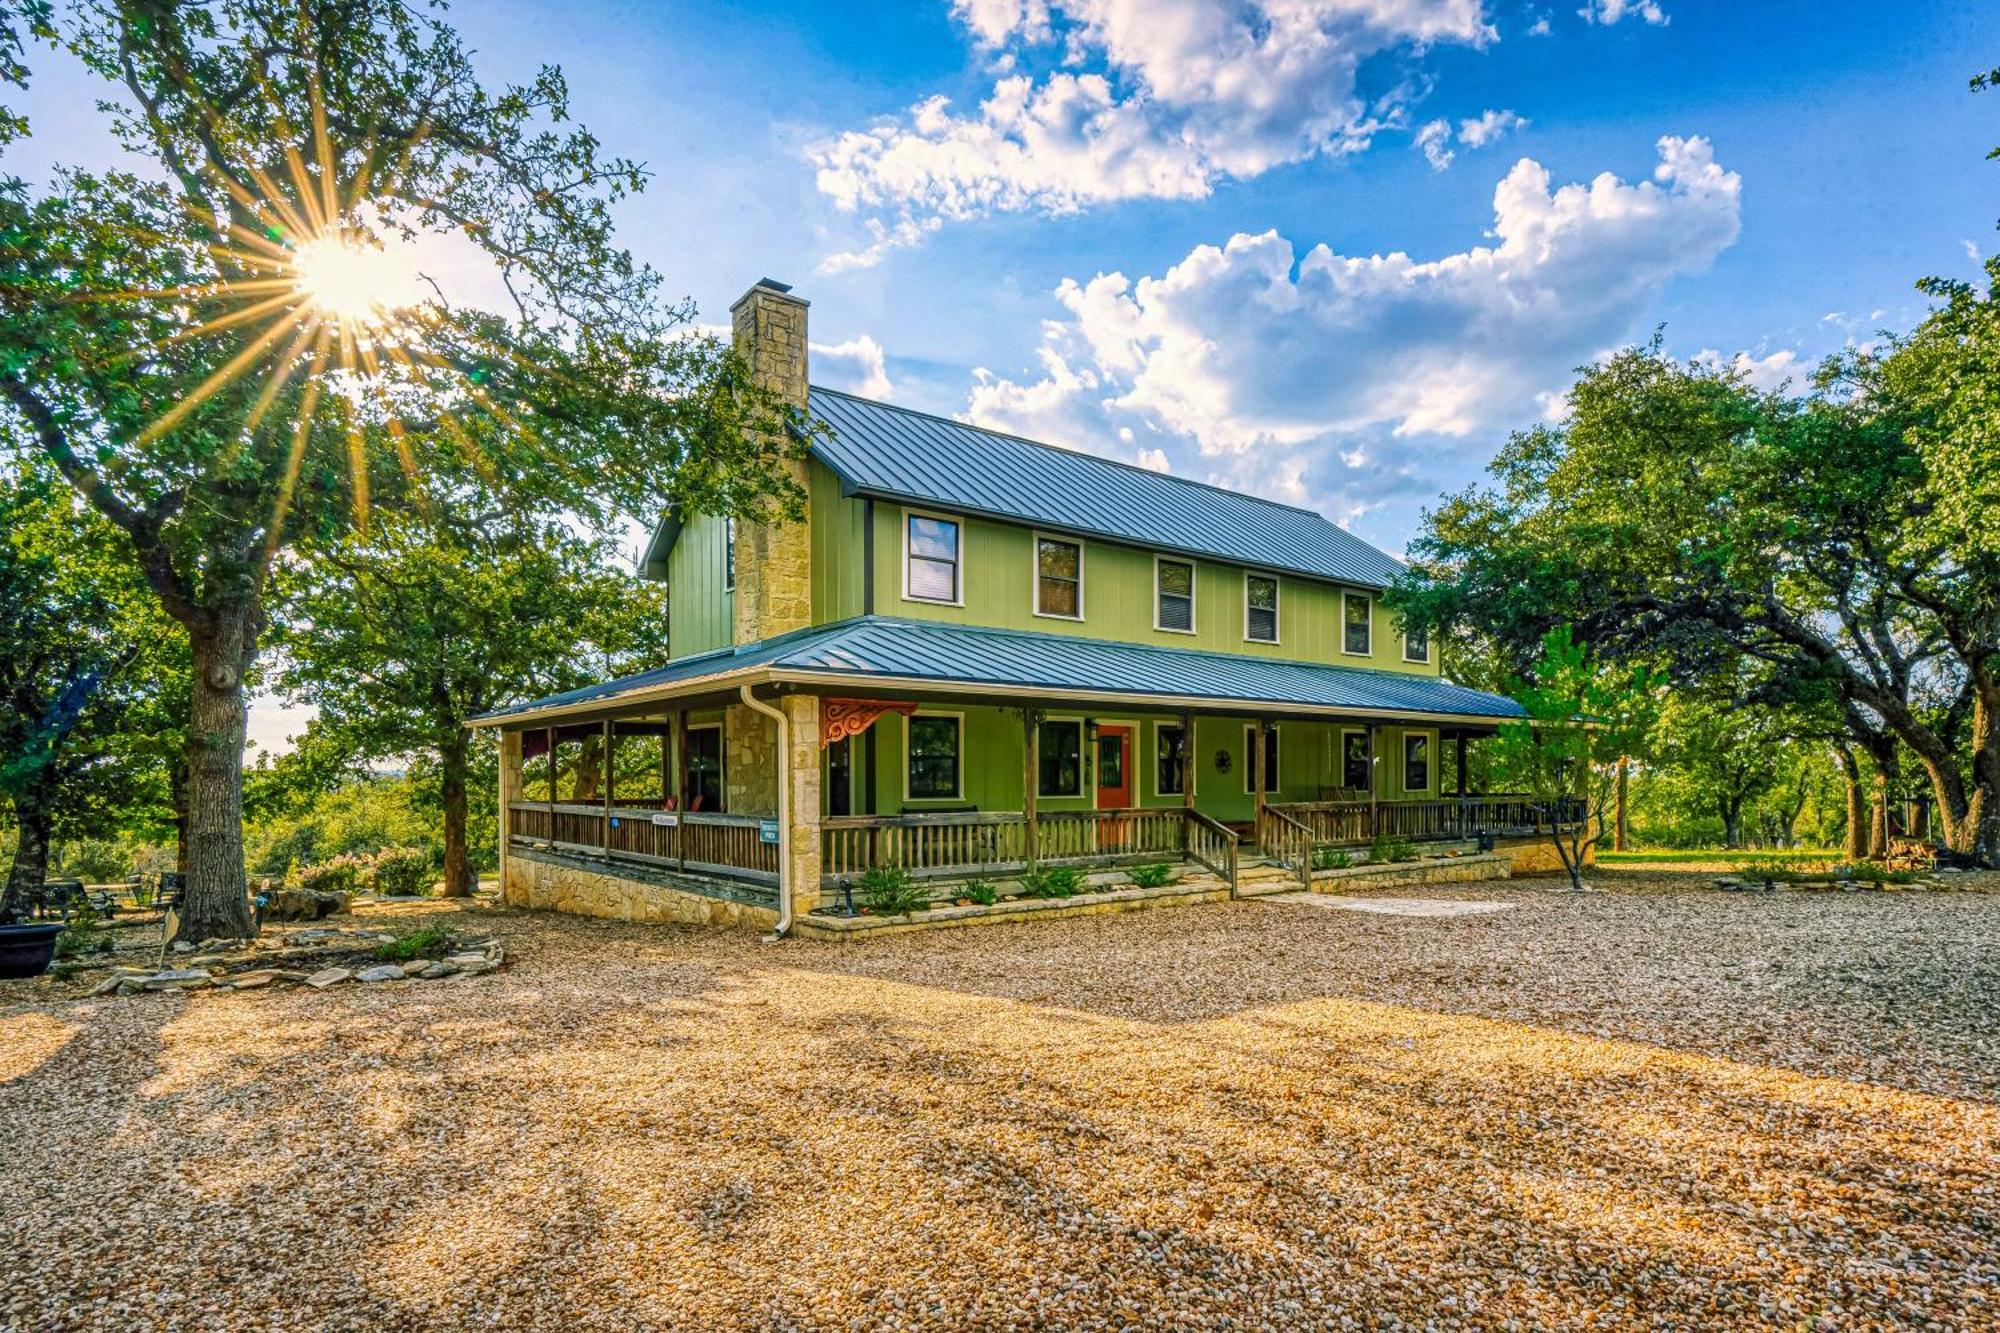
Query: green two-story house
x=973 y=655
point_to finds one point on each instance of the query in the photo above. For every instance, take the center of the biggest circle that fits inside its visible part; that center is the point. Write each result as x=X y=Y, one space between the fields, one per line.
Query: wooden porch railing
x=695 y=842
x=1351 y=823
x=1287 y=841
x=1214 y=846
x=960 y=844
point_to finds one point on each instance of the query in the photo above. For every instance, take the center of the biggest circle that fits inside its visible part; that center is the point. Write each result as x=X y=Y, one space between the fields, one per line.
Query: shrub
x=1868 y=873
x=1331 y=858
x=1052 y=882
x=422 y=942
x=403 y=870
x=340 y=875
x=889 y=891
x=980 y=891
x=82 y=935
x=1152 y=876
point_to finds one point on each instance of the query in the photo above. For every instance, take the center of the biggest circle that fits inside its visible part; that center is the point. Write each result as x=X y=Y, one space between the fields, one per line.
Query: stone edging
x=1193 y=890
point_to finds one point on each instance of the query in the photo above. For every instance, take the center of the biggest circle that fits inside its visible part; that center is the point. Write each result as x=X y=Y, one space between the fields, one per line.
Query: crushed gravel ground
x=1653 y=1107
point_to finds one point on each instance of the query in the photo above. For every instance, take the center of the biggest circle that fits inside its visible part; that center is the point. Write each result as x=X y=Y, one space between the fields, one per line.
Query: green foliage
x=420 y=942
x=82 y=934
x=1332 y=858
x=980 y=891
x=1867 y=872
x=359 y=817
x=402 y=871
x=1052 y=882
x=1395 y=851
x=341 y=874
x=1151 y=876
x=889 y=891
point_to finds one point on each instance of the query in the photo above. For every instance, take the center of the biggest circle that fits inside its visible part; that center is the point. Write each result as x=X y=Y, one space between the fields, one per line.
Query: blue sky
x=1331 y=251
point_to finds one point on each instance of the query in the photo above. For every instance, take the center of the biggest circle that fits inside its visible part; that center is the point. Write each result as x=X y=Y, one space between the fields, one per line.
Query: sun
x=354 y=282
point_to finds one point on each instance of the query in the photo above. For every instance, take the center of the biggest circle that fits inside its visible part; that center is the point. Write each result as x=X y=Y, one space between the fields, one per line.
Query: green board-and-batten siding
x=700 y=610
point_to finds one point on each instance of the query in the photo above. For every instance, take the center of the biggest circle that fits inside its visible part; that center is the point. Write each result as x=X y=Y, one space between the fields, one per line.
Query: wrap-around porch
x=947 y=787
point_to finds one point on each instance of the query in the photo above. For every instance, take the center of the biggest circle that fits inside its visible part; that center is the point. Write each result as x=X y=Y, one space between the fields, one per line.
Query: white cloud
x=1489 y=126
x=856 y=365
x=1540 y=27
x=1435 y=137
x=1609 y=12
x=1294 y=376
x=1767 y=374
x=1154 y=101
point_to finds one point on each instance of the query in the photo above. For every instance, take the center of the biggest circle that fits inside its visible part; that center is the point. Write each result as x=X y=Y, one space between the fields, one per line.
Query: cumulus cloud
x=856 y=365
x=1434 y=138
x=1309 y=375
x=1151 y=101
x=1608 y=12
x=1767 y=374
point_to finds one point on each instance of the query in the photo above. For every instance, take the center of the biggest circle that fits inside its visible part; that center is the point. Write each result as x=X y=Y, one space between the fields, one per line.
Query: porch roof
x=879 y=652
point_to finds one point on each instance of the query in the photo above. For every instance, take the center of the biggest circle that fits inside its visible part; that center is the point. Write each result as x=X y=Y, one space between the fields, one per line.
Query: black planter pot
x=25 y=951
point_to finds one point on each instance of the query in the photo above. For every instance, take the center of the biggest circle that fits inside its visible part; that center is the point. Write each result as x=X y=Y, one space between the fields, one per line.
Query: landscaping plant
x=1152 y=876
x=1331 y=858
x=422 y=942
x=1052 y=882
x=980 y=891
x=889 y=891
x=403 y=871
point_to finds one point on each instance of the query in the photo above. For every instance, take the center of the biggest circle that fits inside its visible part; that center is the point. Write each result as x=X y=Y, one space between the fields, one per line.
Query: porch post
x=1031 y=775
x=1257 y=744
x=510 y=792
x=1461 y=764
x=610 y=779
x=1374 y=782
x=551 y=732
x=802 y=803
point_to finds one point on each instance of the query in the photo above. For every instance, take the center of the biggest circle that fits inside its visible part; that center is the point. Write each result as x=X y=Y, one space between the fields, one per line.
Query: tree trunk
x=1878 y=818
x=1732 y=823
x=458 y=881
x=589 y=769
x=1621 y=823
x=1850 y=774
x=216 y=903
x=31 y=859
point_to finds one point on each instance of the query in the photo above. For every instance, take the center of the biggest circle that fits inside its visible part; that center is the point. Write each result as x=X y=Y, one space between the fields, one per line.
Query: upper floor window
x=1356 y=630
x=729 y=553
x=930 y=559
x=1416 y=645
x=1058 y=578
x=1260 y=608
x=1173 y=595
x=1059 y=755
x=934 y=758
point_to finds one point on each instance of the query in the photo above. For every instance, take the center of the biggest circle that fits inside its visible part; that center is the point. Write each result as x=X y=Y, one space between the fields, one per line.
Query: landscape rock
x=178 y=979
x=329 y=976
x=252 y=980
x=106 y=986
x=386 y=972
x=305 y=905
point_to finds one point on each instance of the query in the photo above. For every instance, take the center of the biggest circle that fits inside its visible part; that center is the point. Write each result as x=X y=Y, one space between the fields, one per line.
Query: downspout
x=777 y=715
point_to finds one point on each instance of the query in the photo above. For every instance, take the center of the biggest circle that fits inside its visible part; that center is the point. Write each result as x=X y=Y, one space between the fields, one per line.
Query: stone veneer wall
x=1536 y=856
x=773 y=560
x=1411 y=874
x=750 y=770
x=542 y=883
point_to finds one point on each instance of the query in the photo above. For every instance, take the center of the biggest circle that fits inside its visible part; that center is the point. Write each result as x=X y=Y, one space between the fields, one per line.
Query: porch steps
x=1259 y=877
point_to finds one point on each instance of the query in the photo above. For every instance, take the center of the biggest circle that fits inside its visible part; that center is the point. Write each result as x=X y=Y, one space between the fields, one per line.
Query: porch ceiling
x=875 y=655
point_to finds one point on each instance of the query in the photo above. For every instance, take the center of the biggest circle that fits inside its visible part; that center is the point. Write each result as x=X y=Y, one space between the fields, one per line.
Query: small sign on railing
x=767 y=830
x=666 y=819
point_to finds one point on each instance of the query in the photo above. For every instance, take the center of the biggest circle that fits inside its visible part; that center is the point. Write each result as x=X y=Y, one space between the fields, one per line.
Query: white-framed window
x=1170 y=758
x=1250 y=759
x=932 y=567
x=729 y=553
x=1417 y=762
x=1058 y=578
x=1357 y=766
x=1059 y=757
x=1173 y=594
x=1260 y=608
x=934 y=757
x=1357 y=625
x=1416 y=645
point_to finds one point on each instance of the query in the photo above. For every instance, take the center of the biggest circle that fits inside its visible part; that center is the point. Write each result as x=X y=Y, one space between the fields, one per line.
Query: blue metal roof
x=911 y=653
x=899 y=454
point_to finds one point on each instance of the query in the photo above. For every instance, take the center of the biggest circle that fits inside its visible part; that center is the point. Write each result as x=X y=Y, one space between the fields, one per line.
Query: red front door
x=1114 y=768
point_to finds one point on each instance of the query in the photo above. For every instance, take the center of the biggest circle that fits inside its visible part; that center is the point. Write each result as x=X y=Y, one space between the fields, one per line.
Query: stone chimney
x=773 y=560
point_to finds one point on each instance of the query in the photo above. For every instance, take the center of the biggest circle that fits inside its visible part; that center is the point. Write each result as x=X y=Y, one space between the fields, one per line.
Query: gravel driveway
x=1650 y=1107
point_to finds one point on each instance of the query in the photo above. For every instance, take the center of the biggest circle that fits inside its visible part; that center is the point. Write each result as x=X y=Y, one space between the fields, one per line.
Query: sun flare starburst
x=349 y=280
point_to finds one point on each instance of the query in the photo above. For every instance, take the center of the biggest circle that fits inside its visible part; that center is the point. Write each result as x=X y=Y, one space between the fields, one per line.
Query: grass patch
x=423 y=942
x=1713 y=856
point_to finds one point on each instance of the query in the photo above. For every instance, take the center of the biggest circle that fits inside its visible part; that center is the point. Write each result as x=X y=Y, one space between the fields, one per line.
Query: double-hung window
x=934 y=766
x=1356 y=626
x=1416 y=763
x=1170 y=775
x=1059 y=755
x=930 y=559
x=1058 y=578
x=1416 y=645
x=1173 y=595
x=1260 y=608
x=728 y=553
